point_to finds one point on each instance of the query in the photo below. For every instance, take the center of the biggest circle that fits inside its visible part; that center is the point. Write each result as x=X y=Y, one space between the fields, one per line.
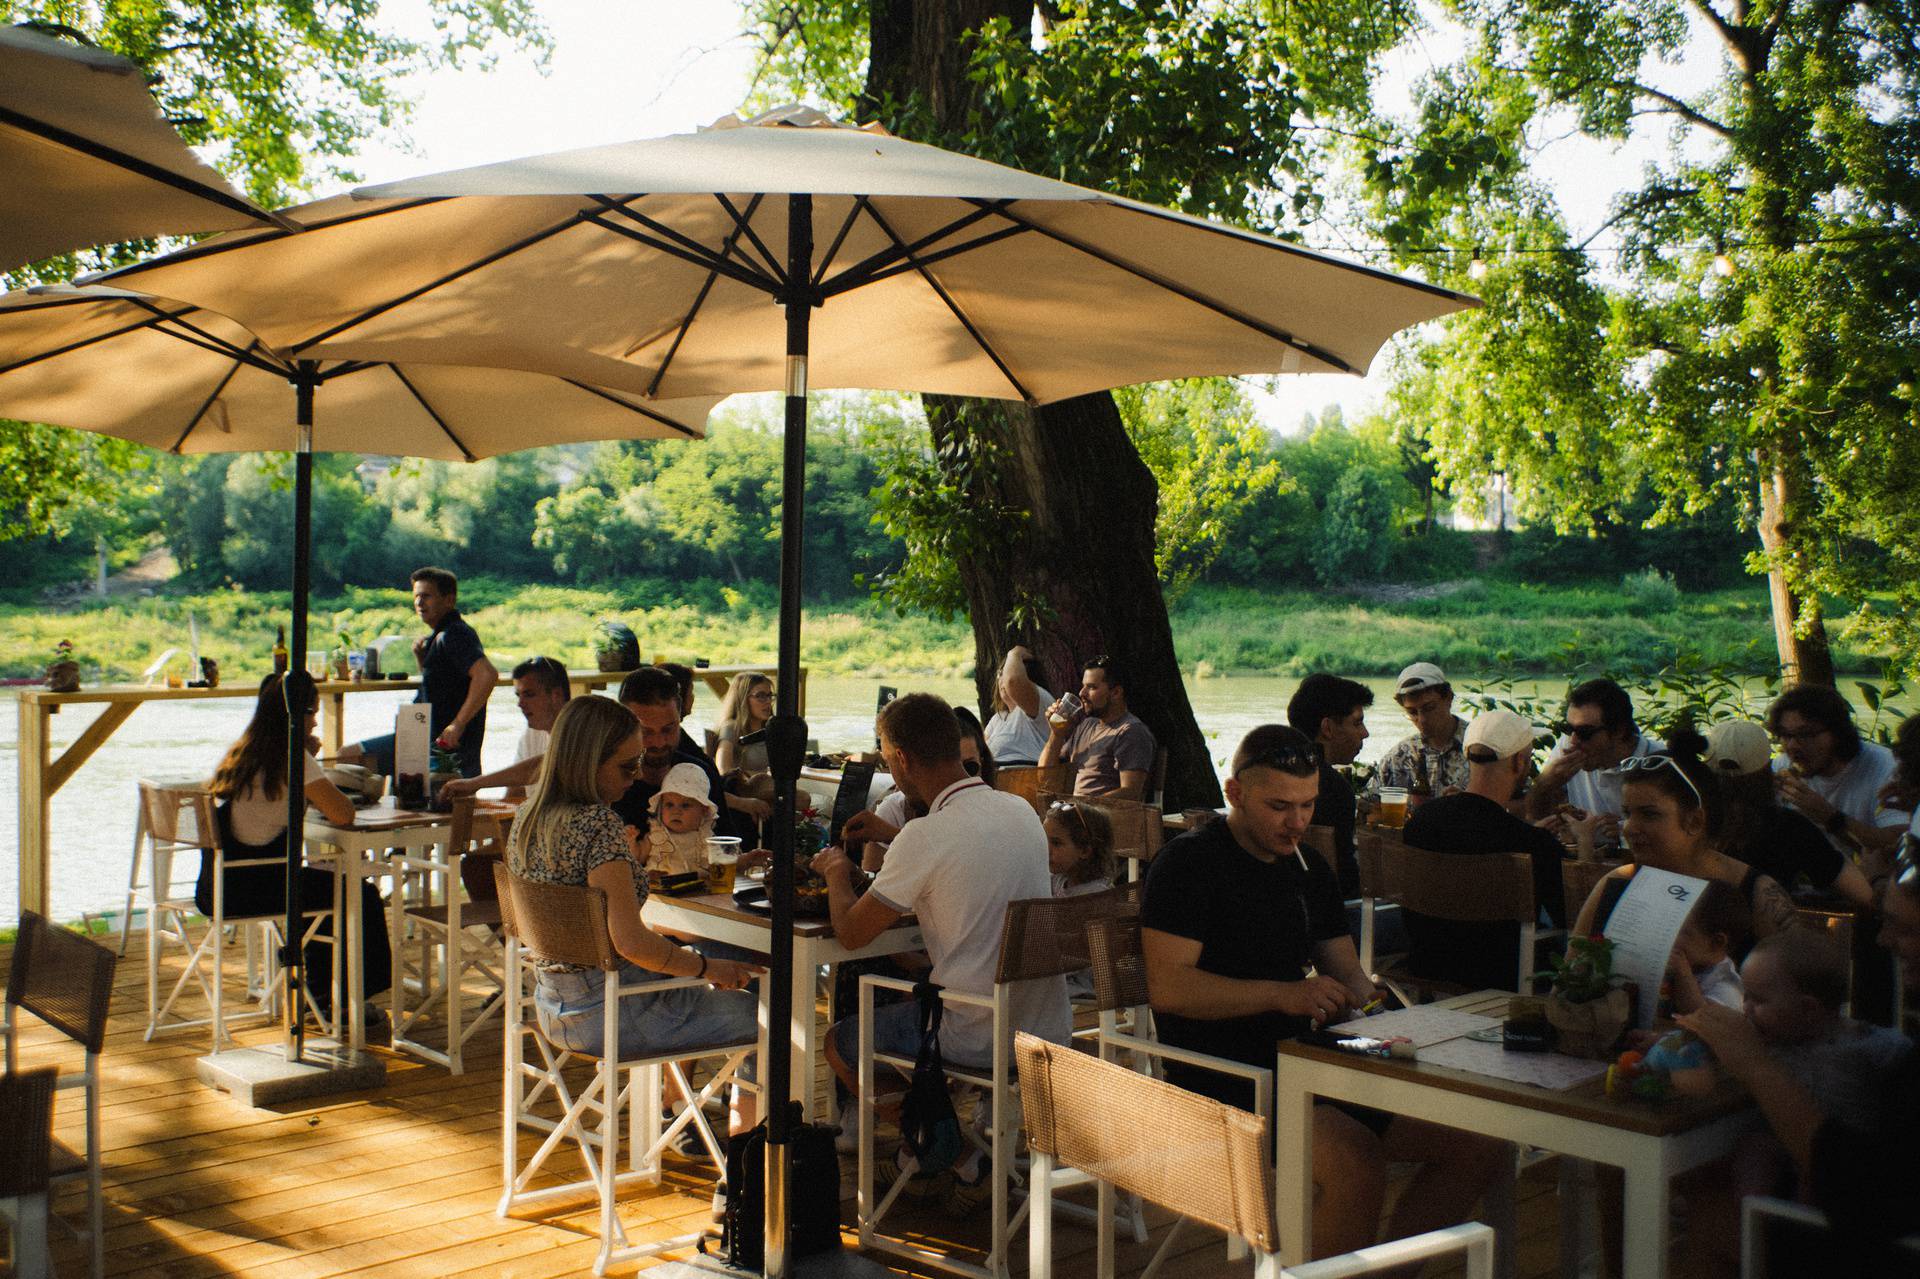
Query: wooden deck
x=402 y=1181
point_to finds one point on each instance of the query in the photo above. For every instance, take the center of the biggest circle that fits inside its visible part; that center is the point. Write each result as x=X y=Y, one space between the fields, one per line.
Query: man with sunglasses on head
x=1246 y=944
x=541 y=687
x=1110 y=748
x=1584 y=767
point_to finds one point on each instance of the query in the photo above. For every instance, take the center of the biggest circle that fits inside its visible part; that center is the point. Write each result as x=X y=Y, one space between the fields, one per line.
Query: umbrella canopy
x=89 y=159
x=184 y=379
x=939 y=273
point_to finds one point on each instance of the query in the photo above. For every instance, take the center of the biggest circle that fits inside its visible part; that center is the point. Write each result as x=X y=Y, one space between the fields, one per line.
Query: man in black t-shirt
x=653 y=697
x=456 y=679
x=1333 y=712
x=1234 y=918
x=1499 y=746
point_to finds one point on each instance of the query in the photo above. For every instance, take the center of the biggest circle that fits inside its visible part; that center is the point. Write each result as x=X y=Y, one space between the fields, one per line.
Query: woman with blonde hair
x=746 y=710
x=567 y=833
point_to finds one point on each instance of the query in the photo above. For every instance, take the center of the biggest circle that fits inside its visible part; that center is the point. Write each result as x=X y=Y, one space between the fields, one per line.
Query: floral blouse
x=590 y=836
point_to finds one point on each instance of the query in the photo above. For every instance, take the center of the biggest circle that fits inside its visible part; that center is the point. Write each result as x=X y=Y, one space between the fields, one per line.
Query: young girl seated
x=1701 y=969
x=1079 y=848
x=683 y=818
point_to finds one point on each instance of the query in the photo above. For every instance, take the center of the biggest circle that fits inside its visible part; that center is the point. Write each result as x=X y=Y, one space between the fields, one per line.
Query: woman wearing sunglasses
x=1672 y=819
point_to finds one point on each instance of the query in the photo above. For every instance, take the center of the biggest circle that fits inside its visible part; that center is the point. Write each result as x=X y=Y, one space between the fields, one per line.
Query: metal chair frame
x=455 y=934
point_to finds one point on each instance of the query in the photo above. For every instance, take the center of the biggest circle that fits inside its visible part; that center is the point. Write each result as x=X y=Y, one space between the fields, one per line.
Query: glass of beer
x=723 y=854
x=1393 y=806
x=1069 y=706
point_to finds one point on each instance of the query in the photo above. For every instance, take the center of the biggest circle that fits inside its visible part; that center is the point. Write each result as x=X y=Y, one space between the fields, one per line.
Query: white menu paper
x=412 y=741
x=1642 y=929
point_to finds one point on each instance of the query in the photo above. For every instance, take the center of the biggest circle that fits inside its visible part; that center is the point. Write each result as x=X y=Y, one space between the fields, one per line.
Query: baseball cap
x=1502 y=732
x=1738 y=746
x=1418 y=678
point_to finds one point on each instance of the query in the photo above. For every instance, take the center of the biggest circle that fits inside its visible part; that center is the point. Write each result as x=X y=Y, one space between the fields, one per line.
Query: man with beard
x=1110 y=749
x=654 y=698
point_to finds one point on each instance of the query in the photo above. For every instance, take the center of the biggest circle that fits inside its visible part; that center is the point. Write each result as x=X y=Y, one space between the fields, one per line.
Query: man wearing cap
x=1434 y=760
x=1499 y=751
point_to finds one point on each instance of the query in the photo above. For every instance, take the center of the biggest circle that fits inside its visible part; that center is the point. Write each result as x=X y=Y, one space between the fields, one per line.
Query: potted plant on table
x=63 y=672
x=1589 y=1005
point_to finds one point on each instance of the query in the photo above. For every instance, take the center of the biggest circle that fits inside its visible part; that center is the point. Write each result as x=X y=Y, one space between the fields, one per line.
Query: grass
x=1480 y=625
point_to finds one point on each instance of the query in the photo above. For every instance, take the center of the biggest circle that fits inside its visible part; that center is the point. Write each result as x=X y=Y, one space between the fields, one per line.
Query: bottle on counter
x=280 y=656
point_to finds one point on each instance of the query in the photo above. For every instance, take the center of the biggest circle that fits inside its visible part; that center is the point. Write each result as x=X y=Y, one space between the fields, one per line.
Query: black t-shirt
x=1785 y=846
x=632 y=806
x=1864 y=1181
x=1254 y=920
x=1334 y=807
x=1480 y=955
x=445 y=675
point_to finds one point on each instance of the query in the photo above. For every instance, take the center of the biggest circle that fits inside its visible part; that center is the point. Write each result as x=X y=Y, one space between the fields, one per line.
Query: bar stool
x=447 y=897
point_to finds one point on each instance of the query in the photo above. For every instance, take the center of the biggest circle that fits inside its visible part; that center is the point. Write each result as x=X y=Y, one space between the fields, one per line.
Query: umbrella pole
x=787 y=736
x=304 y=382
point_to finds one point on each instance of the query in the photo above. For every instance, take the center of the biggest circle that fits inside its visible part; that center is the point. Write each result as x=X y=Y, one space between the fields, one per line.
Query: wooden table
x=360 y=851
x=718 y=918
x=1650 y=1143
x=41 y=775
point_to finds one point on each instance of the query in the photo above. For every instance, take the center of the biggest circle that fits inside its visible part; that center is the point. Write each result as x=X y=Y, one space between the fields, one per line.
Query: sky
x=625 y=69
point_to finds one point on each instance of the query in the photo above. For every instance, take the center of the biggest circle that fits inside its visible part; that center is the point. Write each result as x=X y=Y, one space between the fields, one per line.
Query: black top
x=1479 y=955
x=445 y=676
x=1254 y=920
x=1335 y=807
x=690 y=747
x=1864 y=1180
x=632 y=806
x=1783 y=844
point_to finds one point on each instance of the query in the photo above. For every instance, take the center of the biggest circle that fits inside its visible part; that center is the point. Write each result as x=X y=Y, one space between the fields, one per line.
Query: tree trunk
x=1075 y=578
x=1798 y=630
x=100 y=565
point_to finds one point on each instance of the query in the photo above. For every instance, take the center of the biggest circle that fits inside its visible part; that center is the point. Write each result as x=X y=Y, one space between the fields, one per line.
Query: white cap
x=1418 y=678
x=1502 y=732
x=688 y=780
x=1738 y=746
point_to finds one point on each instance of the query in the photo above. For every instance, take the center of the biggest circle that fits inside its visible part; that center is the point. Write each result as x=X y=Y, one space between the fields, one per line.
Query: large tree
x=1049 y=513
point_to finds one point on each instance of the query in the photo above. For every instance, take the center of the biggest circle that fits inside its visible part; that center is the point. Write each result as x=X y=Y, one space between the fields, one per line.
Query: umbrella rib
x=233 y=371
x=505 y=251
x=631 y=407
x=958 y=314
x=686 y=249
x=744 y=223
x=858 y=274
x=833 y=250
x=194 y=335
x=146 y=169
x=438 y=421
x=1198 y=299
x=246 y=240
x=978 y=242
x=700 y=300
x=80 y=344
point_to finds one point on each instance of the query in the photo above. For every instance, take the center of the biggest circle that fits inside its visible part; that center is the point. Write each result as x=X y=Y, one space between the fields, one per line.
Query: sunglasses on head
x=1653 y=764
x=1066 y=808
x=1299 y=760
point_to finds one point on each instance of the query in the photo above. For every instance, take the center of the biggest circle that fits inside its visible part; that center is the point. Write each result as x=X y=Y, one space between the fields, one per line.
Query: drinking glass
x=1393 y=806
x=723 y=854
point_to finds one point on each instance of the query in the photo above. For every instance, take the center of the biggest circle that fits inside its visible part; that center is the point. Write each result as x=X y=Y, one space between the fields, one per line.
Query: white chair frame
x=443 y=955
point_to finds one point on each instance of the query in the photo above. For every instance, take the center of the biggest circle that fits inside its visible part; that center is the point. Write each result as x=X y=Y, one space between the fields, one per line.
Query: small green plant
x=1650 y=592
x=1585 y=972
x=444 y=761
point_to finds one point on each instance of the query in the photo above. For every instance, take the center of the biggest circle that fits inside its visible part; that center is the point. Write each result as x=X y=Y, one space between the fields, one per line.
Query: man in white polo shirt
x=955 y=870
x=1834 y=777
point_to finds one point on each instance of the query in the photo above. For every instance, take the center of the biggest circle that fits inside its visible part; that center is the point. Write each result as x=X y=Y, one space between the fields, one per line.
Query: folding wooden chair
x=448 y=899
x=1028 y=780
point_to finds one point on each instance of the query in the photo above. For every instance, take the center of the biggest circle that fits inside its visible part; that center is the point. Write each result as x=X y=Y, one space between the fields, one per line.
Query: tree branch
x=1676 y=106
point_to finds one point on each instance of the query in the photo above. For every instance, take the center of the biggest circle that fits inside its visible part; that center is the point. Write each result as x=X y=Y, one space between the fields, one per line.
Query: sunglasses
x=631 y=768
x=1063 y=809
x=1585 y=732
x=972 y=766
x=1653 y=764
x=1288 y=759
x=1906 y=864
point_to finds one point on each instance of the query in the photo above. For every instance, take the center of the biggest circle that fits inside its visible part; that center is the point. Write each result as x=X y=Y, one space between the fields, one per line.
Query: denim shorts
x=571 y=1011
x=896 y=1033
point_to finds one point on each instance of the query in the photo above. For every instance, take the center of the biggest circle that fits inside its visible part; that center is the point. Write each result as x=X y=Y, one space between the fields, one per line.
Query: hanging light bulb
x=1477 y=269
x=1722 y=264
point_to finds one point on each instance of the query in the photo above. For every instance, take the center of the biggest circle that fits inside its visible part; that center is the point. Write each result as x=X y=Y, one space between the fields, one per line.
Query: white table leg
x=349 y=950
x=1647 y=1215
x=805 y=1034
x=1293 y=1187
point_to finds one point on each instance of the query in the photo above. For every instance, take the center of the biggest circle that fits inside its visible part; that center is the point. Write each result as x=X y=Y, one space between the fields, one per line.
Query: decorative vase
x=1592 y=1028
x=63 y=677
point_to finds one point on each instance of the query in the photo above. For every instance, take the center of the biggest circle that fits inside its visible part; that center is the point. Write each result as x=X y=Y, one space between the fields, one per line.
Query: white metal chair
x=447 y=897
x=565 y=924
x=1202 y=1159
x=1041 y=938
x=26 y=1128
x=154 y=855
x=67 y=982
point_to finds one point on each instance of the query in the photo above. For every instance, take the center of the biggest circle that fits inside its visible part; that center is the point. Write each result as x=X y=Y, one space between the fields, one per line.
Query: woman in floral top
x=566 y=834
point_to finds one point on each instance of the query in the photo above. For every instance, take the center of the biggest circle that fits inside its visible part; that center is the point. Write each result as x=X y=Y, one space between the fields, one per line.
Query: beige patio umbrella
x=177 y=377
x=786 y=253
x=89 y=159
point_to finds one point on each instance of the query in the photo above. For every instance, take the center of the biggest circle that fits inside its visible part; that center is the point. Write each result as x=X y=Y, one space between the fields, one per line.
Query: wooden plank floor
x=402 y=1180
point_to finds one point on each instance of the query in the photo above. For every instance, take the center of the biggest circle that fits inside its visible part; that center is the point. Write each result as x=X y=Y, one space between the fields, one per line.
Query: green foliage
x=1356 y=535
x=1650 y=591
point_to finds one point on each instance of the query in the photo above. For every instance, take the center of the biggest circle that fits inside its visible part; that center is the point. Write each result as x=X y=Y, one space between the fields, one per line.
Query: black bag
x=928 y=1124
x=813 y=1193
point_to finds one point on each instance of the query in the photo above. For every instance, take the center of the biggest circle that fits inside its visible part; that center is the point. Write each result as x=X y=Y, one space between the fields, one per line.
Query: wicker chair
x=565 y=924
x=1578 y=880
x=1028 y=780
x=1041 y=938
x=1468 y=888
x=1202 y=1159
x=1138 y=829
x=67 y=982
x=26 y=1133
x=452 y=906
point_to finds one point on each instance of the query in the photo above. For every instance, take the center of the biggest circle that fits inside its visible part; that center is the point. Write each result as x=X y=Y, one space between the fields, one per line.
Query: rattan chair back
x=556 y=923
x=1319 y=841
x=1469 y=887
x=63 y=979
x=26 y=1130
x=1138 y=830
x=178 y=816
x=1119 y=964
x=1047 y=936
x=1198 y=1157
x=1029 y=780
x=1578 y=879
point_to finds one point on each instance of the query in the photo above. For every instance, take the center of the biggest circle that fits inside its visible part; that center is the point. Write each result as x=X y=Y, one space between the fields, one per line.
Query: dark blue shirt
x=445 y=675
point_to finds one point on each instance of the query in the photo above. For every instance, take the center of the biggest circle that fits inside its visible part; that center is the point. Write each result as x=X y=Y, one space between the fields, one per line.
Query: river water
x=93 y=816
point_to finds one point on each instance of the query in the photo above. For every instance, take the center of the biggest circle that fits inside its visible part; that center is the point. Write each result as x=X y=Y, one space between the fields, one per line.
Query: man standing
x=1234 y=916
x=541 y=688
x=455 y=677
x=1584 y=768
x=1332 y=712
x=653 y=697
x=1499 y=752
x=955 y=870
x=1110 y=748
x=1433 y=761
x=1827 y=772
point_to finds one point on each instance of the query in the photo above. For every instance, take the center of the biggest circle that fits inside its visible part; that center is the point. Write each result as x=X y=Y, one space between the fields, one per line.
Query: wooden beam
x=112 y=716
x=33 y=804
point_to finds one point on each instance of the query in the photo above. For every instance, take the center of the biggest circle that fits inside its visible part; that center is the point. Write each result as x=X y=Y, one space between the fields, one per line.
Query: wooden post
x=33 y=803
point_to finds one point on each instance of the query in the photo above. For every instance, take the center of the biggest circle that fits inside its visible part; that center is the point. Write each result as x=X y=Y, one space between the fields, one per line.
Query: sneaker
x=920 y=1185
x=687 y=1141
x=963 y=1197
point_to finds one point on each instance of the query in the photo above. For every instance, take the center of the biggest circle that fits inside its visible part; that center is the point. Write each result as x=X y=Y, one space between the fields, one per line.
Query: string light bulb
x=1477 y=269
x=1722 y=264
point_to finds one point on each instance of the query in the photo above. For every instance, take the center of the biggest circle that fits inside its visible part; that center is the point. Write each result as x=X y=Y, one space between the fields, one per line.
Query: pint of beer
x=723 y=853
x=1393 y=806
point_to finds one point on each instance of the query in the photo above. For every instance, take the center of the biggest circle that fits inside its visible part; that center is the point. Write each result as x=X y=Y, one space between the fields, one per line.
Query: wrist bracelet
x=703 y=967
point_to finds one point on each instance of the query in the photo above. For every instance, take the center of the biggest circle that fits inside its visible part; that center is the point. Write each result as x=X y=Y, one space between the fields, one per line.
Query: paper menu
x=1424 y=1025
x=412 y=740
x=1542 y=1070
x=1642 y=929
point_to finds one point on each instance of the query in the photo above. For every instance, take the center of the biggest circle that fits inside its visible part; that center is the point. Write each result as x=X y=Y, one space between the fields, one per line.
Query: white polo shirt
x=956 y=869
x=532 y=742
x=1855 y=789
